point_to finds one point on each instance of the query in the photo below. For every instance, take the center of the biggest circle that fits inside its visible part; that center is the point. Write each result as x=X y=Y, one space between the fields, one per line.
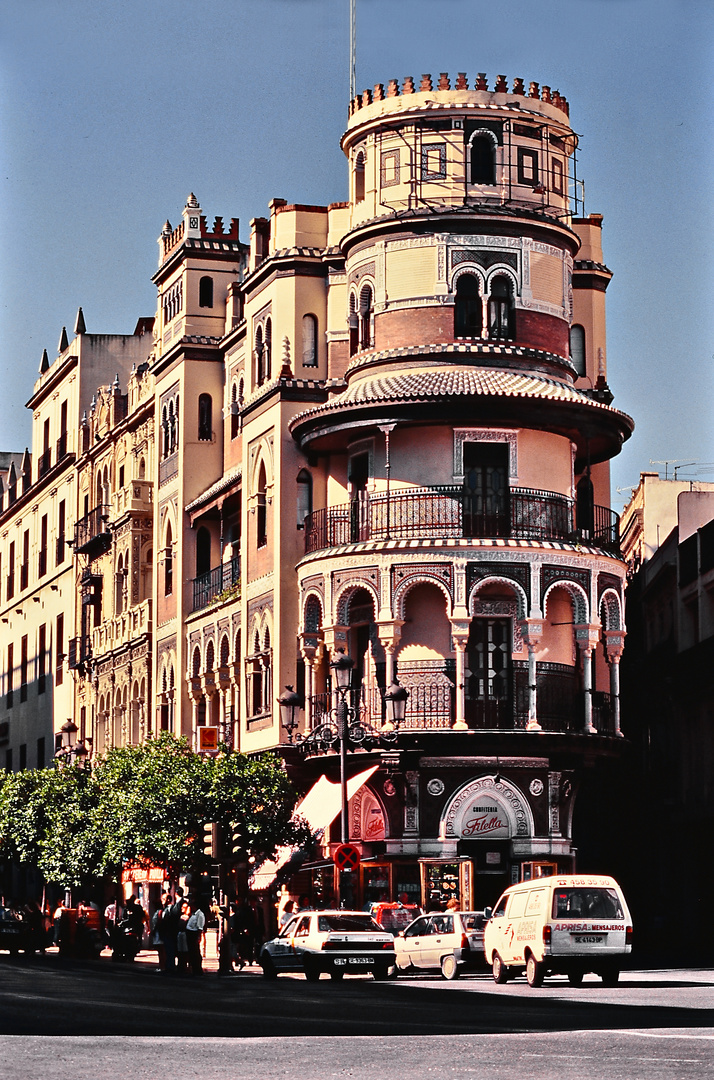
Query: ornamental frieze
x=609 y=581
x=550 y=574
x=477 y=571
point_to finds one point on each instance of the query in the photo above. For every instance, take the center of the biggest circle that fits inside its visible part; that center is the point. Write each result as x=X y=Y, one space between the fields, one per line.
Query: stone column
x=532 y=631
x=389 y=632
x=614 y=645
x=587 y=636
x=460 y=637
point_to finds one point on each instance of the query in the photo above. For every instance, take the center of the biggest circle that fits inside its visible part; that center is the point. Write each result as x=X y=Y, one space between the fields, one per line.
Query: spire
x=79 y=326
x=63 y=341
x=44 y=362
x=167 y=230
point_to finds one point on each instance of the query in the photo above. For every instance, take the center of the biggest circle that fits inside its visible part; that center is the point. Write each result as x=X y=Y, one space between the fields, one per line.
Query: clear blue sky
x=112 y=112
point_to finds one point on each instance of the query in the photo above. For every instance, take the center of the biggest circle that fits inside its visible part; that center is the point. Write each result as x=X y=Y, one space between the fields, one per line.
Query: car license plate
x=588 y=939
x=361 y=960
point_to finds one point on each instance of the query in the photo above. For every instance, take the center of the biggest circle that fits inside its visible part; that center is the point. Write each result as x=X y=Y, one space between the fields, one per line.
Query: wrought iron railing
x=209 y=586
x=91 y=527
x=431 y=705
x=44 y=463
x=451 y=512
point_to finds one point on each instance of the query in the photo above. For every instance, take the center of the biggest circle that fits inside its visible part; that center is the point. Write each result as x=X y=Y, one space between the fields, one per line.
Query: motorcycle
x=126 y=940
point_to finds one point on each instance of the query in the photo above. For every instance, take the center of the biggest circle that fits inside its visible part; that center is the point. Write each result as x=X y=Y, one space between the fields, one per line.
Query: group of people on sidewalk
x=176 y=932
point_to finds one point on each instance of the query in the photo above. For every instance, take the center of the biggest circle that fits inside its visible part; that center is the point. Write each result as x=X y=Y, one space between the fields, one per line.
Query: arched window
x=205 y=418
x=359 y=177
x=500 y=309
x=353 y=324
x=268 y=346
x=210 y=656
x=309 y=341
x=259 y=360
x=235 y=412
x=169 y=562
x=196 y=662
x=203 y=551
x=577 y=348
x=172 y=428
x=119 y=587
x=365 y=317
x=483 y=160
x=585 y=507
x=262 y=509
x=142 y=468
x=205 y=292
x=225 y=651
x=304 y=497
x=164 y=432
x=468 y=309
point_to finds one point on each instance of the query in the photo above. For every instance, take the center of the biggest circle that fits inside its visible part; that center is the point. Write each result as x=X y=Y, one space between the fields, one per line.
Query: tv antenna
x=353 y=49
x=672 y=461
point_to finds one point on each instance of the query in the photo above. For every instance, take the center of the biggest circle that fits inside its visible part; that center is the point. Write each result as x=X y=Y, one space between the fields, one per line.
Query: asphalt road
x=61 y=1019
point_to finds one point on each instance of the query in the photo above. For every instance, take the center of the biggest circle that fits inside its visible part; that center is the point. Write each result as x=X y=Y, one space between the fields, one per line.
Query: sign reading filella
x=347 y=857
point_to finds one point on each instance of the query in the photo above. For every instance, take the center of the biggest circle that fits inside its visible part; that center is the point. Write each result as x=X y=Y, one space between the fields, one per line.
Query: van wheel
x=499 y=969
x=575 y=978
x=535 y=972
x=610 y=977
x=449 y=967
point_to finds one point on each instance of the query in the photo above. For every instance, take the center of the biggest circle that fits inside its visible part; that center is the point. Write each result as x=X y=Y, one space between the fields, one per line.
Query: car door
x=437 y=941
x=282 y=949
x=408 y=947
x=300 y=941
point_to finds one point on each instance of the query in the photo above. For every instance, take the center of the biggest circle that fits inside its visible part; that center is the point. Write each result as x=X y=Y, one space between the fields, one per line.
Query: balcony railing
x=423 y=513
x=44 y=464
x=211 y=585
x=431 y=705
x=62 y=446
x=92 y=529
x=168 y=467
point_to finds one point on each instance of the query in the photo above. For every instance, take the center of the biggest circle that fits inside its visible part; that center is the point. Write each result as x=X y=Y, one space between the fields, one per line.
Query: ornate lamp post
x=290 y=704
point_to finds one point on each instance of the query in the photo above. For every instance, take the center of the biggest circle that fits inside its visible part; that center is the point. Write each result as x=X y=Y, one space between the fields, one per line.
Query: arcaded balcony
x=453 y=512
x=431 y=705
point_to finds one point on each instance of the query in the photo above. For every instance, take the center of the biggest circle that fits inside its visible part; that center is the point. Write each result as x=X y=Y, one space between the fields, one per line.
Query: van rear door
x=587 y=919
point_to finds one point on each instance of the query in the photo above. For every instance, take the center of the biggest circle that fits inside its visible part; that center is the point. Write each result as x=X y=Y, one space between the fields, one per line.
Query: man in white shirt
x=194 y=932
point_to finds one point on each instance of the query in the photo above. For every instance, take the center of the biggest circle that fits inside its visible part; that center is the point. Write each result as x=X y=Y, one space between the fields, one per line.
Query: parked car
x=333 y=941
x=449 y=940
x=567 y=924
x=394 y=916
x=15 y=933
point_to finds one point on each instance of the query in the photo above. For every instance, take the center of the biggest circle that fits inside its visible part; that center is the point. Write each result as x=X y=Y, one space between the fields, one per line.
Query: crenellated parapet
x=443 y=83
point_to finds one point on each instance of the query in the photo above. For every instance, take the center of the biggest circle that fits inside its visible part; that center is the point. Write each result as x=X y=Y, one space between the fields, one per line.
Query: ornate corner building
x=381 y=427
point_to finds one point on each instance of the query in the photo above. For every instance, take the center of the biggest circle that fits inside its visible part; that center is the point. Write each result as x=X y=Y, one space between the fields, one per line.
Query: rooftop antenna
x=353 y=49
x=687 y=466
x=670 y=461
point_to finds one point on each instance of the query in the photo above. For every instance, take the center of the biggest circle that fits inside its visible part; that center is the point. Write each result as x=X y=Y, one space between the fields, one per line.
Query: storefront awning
x=319 y=808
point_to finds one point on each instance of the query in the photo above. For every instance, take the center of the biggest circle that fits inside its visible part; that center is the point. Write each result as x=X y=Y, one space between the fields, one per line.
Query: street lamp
x=69 y=750
x=395 y=699
x=290 y=703
x=342 y=667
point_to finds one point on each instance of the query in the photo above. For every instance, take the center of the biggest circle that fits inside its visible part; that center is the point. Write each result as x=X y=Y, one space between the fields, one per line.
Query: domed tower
x=461 y=540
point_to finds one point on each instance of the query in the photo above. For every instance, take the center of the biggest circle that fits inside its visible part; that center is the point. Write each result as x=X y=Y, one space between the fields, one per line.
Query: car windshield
x=473 y=920
x=586 y=904
x=327 y=923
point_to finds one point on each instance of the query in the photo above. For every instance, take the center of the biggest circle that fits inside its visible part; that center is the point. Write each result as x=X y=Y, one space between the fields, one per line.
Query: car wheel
x=312 y=972
x=380 y=974
x=269 y=969
x=611 y=976
x=575 y=978
x=535 y=972
x=449 y=967
x=499 y=969
x=337 y=974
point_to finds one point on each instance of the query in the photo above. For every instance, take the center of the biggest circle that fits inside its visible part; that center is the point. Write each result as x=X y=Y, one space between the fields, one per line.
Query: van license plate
x=590 y=939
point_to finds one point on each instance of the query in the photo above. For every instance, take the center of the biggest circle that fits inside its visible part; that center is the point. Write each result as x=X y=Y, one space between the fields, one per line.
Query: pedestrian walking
x=194 y=934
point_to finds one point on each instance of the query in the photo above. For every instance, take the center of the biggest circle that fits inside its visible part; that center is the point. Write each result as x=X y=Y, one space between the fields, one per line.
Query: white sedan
x=333 y=941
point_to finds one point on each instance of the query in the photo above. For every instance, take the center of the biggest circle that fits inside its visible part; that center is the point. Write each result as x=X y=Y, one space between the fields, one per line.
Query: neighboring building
x=383 y=427
x=651 y=514
x=668 y=687
x=38 y=514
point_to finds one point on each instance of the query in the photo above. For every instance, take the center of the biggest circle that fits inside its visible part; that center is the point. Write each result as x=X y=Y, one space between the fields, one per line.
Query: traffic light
x=212 y=840
x=238 y=840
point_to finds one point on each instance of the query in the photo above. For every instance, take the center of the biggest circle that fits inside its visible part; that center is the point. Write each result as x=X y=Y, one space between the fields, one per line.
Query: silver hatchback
x=448 y=940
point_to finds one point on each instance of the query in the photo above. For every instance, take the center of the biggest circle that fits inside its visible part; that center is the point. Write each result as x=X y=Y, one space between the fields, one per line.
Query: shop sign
x=143 y=874
x=483 y=817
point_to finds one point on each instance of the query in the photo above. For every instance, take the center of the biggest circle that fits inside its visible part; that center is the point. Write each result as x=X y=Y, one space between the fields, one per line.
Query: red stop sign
x=347 y=857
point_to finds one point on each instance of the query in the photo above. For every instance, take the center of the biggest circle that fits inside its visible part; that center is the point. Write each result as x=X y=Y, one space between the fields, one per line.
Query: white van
x=562 y=925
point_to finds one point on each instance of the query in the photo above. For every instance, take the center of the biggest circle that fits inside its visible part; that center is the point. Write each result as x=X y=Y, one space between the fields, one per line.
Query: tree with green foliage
x=143 y=804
